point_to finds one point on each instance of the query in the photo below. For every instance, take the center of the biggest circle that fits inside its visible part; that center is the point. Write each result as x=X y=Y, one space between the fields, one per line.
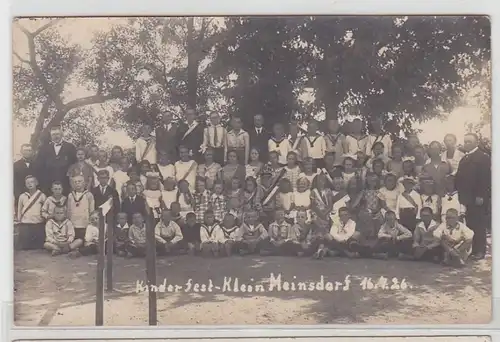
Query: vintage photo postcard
x=252 y=170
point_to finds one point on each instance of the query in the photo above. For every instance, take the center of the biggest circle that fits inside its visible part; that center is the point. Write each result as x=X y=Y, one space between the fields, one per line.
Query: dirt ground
x=61 y=291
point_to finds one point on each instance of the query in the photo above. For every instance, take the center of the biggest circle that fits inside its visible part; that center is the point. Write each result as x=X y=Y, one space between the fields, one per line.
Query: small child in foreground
x=302 y=232
x=456 y=239
x=168 y=234
x=211 y=235
x=340 y=236
x=137 y=236
x=121 y=234
x=393 y=238
x=191 y=233
x=425 y=245
x=252 y=234
x=230 y=231
x=280 y=237
x=91 y=240
x=60 y=234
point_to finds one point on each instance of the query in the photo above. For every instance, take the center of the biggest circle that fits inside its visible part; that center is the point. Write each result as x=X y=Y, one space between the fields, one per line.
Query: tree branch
x=56 y=98
x=19 y=57
x=85 y=101
x=46 y=26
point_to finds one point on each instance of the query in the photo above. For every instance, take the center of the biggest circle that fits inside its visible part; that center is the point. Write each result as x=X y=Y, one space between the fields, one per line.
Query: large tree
x=406 y=68
x=173 y=54
x=52 y=67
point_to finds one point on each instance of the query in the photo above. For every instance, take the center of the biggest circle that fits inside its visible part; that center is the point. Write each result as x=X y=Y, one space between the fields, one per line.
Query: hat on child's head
x=351 y=156
x=426 y=178
x=408 y=179
x=408 y=158
x=152 y=174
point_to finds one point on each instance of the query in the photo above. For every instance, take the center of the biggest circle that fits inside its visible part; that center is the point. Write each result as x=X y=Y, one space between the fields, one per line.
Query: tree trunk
x=192 y=68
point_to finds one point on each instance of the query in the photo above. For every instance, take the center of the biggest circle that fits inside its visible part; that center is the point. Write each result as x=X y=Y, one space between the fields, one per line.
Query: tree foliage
x=404 y=69
x=408 y=67
x=43 y=80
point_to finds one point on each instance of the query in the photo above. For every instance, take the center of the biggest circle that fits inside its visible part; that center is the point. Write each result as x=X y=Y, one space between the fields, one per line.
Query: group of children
x=316 y=195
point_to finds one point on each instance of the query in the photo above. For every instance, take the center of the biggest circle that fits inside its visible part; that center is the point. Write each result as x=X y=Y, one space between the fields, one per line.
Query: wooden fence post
x=109 y=252
x=151 y=268
x=99 y=303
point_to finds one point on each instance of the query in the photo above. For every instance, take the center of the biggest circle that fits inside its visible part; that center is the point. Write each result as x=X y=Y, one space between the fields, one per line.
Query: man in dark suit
x=191 y=135
x=132 y=203
x=259 y=137
x=53 y=161
x=167 y=137
x=473 y=183
x=22 y=168
x=103 y=192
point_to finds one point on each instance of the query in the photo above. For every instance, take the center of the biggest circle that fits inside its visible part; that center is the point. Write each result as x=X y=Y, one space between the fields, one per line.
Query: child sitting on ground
x=280 y=235
x=456 y=239
x=60 y=234
x=425 y=245
x=252 y=234
x=137 y=236
x=168 y=234
x=121 y=234
x=211 y=235
x=230 y=231
x=340 y=236
x=191 y=233
x=393 y=238
x=91 y=239
x=302 y=234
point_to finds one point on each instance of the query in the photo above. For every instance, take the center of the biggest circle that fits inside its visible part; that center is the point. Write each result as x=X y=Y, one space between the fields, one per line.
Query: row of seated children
x=449 y=242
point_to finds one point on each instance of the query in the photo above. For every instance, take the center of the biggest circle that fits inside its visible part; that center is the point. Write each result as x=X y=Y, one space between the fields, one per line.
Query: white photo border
x=228 y=7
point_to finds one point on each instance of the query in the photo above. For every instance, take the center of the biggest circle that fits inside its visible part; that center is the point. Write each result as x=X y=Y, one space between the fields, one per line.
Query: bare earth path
x=61 y=291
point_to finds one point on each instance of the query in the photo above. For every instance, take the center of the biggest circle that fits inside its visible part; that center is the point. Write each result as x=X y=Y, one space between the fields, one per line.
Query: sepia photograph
x=268 y=170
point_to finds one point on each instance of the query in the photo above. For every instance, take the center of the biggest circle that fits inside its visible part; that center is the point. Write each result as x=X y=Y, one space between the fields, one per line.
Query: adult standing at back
x=166 y=137
x=377 y=134
x=54 y=160
x=191 y=135
x=259 y=137
x=23 y=168
x=473 y=182
x=452 y=154
x=436 y=168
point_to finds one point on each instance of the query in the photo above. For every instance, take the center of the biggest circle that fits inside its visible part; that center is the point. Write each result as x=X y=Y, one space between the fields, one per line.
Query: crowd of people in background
x=215 y=190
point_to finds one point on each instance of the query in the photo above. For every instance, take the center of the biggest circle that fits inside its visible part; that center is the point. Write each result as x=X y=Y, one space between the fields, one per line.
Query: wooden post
x=109 y=252
x=151 y=267
x=99 y=303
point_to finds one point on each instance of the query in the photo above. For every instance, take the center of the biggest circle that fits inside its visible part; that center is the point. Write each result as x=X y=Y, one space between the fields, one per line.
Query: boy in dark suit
x=133 y=203
x=103 y=192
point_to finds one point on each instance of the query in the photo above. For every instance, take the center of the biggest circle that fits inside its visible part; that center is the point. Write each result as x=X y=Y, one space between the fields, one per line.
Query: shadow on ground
x=45 y=285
